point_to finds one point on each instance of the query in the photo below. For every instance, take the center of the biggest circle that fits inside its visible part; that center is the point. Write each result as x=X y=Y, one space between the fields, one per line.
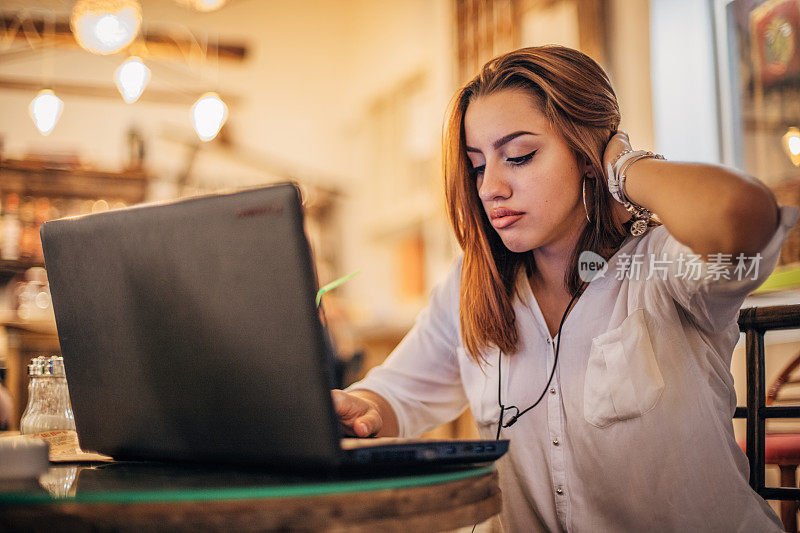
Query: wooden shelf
x=37 y=179
x=9 y=269
x=64 y=181
x=43 y=327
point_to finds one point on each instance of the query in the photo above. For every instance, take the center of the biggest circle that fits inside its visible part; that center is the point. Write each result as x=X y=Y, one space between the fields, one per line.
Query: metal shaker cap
x=46 y=366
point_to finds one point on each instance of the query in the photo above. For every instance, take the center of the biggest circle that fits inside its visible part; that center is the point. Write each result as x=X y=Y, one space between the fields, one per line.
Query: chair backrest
x=784 y=390
x=785 y=377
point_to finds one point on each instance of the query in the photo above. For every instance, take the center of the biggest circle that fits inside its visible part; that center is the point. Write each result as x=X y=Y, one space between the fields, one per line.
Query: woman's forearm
x=390 y=427
x=709 y=208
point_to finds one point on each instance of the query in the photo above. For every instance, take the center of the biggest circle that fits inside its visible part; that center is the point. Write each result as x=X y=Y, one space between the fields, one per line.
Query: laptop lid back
x=189 y=330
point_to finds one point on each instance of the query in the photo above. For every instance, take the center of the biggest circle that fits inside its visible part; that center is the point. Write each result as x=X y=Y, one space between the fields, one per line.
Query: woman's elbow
x=752 y=218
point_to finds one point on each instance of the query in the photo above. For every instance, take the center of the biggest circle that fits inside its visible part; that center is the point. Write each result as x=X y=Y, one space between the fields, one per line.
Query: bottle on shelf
x=12 y=229
x=29 y=235
x=57 y=207
x=2 y=213
x=74 y=206
x=41 y=214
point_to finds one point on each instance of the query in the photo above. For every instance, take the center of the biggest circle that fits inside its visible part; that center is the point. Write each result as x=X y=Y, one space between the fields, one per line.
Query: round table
x=168 y=497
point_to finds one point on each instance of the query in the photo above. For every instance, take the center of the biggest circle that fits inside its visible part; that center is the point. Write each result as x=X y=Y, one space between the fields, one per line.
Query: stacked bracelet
x=616 y=186
x=613 y=173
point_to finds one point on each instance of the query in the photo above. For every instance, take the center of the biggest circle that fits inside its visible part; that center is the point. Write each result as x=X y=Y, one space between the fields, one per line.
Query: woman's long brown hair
x=576 y=97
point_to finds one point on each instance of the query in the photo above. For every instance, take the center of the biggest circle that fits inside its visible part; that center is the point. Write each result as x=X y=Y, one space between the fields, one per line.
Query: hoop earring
x=583 y=195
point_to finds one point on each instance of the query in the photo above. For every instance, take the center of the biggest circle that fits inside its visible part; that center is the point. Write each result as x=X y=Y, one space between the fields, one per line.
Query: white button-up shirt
x=634 y=432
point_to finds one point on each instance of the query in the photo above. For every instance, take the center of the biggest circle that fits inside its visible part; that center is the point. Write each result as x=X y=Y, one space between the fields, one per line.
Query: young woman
x=615 y=390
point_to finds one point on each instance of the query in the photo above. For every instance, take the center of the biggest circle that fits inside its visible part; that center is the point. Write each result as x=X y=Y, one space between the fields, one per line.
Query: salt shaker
x=48 y=406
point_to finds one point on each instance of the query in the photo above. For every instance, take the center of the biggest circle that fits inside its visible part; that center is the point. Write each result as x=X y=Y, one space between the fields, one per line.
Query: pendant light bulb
x=131 y=78
x=45 y=111
x=203 y=5
x=209 y=113
x=209 y=5
x=791 y=145
x=105 y=26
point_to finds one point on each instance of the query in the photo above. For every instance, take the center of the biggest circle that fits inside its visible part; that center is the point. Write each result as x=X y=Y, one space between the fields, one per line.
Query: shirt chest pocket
x=622 y=380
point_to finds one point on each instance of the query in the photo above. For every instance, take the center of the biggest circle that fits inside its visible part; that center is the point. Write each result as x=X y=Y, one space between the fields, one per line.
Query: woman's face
x=527 y=178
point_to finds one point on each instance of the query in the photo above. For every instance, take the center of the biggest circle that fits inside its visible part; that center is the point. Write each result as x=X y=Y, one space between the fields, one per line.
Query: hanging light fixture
x=203 y=5
x=105 y=26
x=45 y=111
x=209 y=113
x=791 y=144
x=131 y=78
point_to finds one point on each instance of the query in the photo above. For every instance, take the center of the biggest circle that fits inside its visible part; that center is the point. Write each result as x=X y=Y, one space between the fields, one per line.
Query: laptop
x=190 y=332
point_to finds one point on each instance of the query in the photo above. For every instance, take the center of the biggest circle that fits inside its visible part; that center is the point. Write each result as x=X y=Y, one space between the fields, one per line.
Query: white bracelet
x=613 y=170
x=623 y=170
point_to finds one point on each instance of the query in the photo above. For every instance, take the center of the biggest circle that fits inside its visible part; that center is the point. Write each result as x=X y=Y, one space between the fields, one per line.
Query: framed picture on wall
x=775 y=42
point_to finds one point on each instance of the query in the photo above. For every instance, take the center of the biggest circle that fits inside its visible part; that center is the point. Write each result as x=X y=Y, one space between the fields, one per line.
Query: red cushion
x=780 y=448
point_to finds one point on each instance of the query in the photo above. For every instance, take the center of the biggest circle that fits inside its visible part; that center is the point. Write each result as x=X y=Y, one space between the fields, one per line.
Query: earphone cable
x=519 y=413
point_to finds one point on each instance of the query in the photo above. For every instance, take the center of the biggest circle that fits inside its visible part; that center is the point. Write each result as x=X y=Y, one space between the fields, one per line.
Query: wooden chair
x=781 y=400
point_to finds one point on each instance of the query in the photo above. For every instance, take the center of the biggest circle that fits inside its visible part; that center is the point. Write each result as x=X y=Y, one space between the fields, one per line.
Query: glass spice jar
x=48 y=406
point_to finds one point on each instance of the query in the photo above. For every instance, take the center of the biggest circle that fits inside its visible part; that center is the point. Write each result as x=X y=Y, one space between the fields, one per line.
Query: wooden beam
x=167 y=44
x=102 y=91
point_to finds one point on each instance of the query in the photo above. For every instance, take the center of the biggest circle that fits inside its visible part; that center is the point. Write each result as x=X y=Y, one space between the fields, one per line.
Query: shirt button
x=549 y=340
x=555 y=442
x=559 y=491
x=552 y=390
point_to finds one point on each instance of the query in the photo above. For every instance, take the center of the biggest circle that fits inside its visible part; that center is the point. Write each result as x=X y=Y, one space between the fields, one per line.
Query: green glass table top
x=135 y=482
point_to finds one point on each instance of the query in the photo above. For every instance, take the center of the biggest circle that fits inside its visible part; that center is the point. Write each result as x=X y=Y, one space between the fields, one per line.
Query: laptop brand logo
x=260 y=210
